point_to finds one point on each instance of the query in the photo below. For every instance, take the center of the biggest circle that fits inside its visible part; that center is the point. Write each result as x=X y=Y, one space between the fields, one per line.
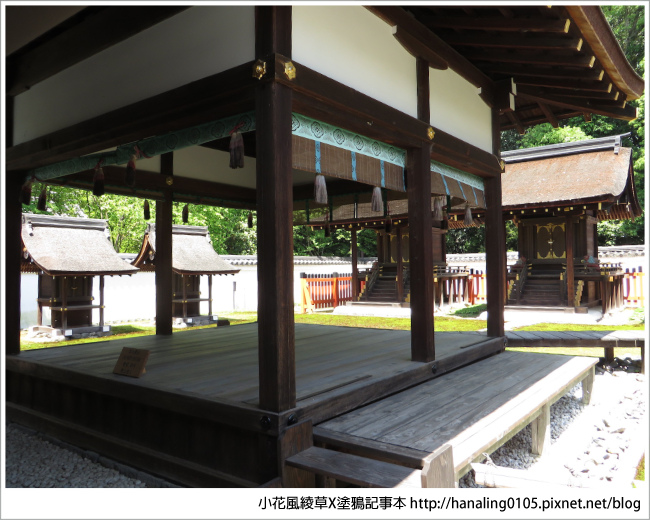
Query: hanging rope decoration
x=147 y=211
x=376 y=204
x=320 y=189
x=437 y=208
x=129 y=175
x=186 y=213
x=98 y=180
x=42 y=200
x=468 y=221
x=250 y=220
x=236 y=147
x=26 y=192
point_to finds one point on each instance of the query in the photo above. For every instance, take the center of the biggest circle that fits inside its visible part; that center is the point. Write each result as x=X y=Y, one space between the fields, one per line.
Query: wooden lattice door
x=550 y=241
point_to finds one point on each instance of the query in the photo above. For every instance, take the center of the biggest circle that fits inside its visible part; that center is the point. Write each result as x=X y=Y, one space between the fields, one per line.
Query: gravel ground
x=591 y=445
x=35 y=460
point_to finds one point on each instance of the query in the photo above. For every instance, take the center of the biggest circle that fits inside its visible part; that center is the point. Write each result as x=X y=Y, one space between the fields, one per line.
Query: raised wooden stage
x=193 y=417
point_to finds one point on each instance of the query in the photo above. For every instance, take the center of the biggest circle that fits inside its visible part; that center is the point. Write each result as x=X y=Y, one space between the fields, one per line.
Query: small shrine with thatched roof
x=68 y=253
x=556 y=195
x=192 y=257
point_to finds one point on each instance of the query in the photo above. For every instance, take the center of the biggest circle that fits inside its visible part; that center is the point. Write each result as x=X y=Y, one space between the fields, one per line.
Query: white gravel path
x=35 y=460
x=591 y=446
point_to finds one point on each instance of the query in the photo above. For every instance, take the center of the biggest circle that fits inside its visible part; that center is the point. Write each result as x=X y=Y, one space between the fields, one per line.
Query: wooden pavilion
x=366 y=97
x=556 y=195
x=192 y=257
x=68 y=253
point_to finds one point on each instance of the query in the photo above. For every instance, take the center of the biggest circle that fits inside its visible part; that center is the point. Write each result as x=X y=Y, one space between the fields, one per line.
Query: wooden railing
x=322 y=291
x=374 y=274
x=476 y=287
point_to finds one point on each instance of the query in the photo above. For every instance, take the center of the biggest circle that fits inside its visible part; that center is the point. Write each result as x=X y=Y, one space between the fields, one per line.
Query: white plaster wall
x=194 y=44
x=351 y=45
x=129 y=298
x=457 y=109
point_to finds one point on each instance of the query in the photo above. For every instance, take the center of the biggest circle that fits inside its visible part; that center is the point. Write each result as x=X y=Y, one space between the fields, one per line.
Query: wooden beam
x=164 y=274
x=418 y=49
x=541 y=43
x=521 y=71
x=277 y=368
x=13 y=248
x=497 y=23
x=541 y=431
x=221 y=95
x=545 y=58
x=150 y=185
x=338 y=104
x=458 y=63
x=628 y=113
x=421 y=254
x=85 y=34
x=587 y=86
x=549 y=114
x=515 y=122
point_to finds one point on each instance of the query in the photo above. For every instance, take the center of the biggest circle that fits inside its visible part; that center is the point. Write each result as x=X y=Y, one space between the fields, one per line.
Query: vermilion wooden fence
x=322 y=291
x=476 y=288
x=633 y=287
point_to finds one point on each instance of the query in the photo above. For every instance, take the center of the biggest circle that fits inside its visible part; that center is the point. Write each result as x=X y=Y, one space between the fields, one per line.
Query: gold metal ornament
x=502 y=163
x=259 y=69
x=169 y=180
x=430 y=133
x=289 y=70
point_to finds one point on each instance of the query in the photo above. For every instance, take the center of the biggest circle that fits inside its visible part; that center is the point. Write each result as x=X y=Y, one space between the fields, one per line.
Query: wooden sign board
x=131 y=362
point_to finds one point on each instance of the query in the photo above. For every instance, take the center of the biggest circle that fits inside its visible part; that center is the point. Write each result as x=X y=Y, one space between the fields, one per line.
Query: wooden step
x=438 y=469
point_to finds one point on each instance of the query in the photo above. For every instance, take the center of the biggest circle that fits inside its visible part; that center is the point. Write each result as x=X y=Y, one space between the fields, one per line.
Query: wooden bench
x=437 y=471
x=606 y=339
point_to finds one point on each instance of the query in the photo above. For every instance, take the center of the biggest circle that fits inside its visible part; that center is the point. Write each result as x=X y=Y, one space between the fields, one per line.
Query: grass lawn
x=135 y=330
x=442 y=324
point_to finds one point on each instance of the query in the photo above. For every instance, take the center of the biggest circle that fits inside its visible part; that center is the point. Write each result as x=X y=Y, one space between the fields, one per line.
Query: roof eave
x=594 y=27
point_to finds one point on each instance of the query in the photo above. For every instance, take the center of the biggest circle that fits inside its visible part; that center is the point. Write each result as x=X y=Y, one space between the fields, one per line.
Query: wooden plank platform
x=474 y=409
x=606 y=339
x=197 y=404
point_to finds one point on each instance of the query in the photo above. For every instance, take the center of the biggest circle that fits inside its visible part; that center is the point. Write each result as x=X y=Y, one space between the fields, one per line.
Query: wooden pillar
x=421 y=254
x=210 y=296
x=63 y=287
x=13 y=245
x=420 y=240
x=101 y=300
x=164 y=288
x=400 y=274
x=184 y=294
x=355 y=267
x=495 y=243
x=277 y=367
x=570 y=285
x=541 y=430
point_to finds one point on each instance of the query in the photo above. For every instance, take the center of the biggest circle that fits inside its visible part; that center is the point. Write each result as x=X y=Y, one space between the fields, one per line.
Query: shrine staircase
x=543 y=287
x=383 y=287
